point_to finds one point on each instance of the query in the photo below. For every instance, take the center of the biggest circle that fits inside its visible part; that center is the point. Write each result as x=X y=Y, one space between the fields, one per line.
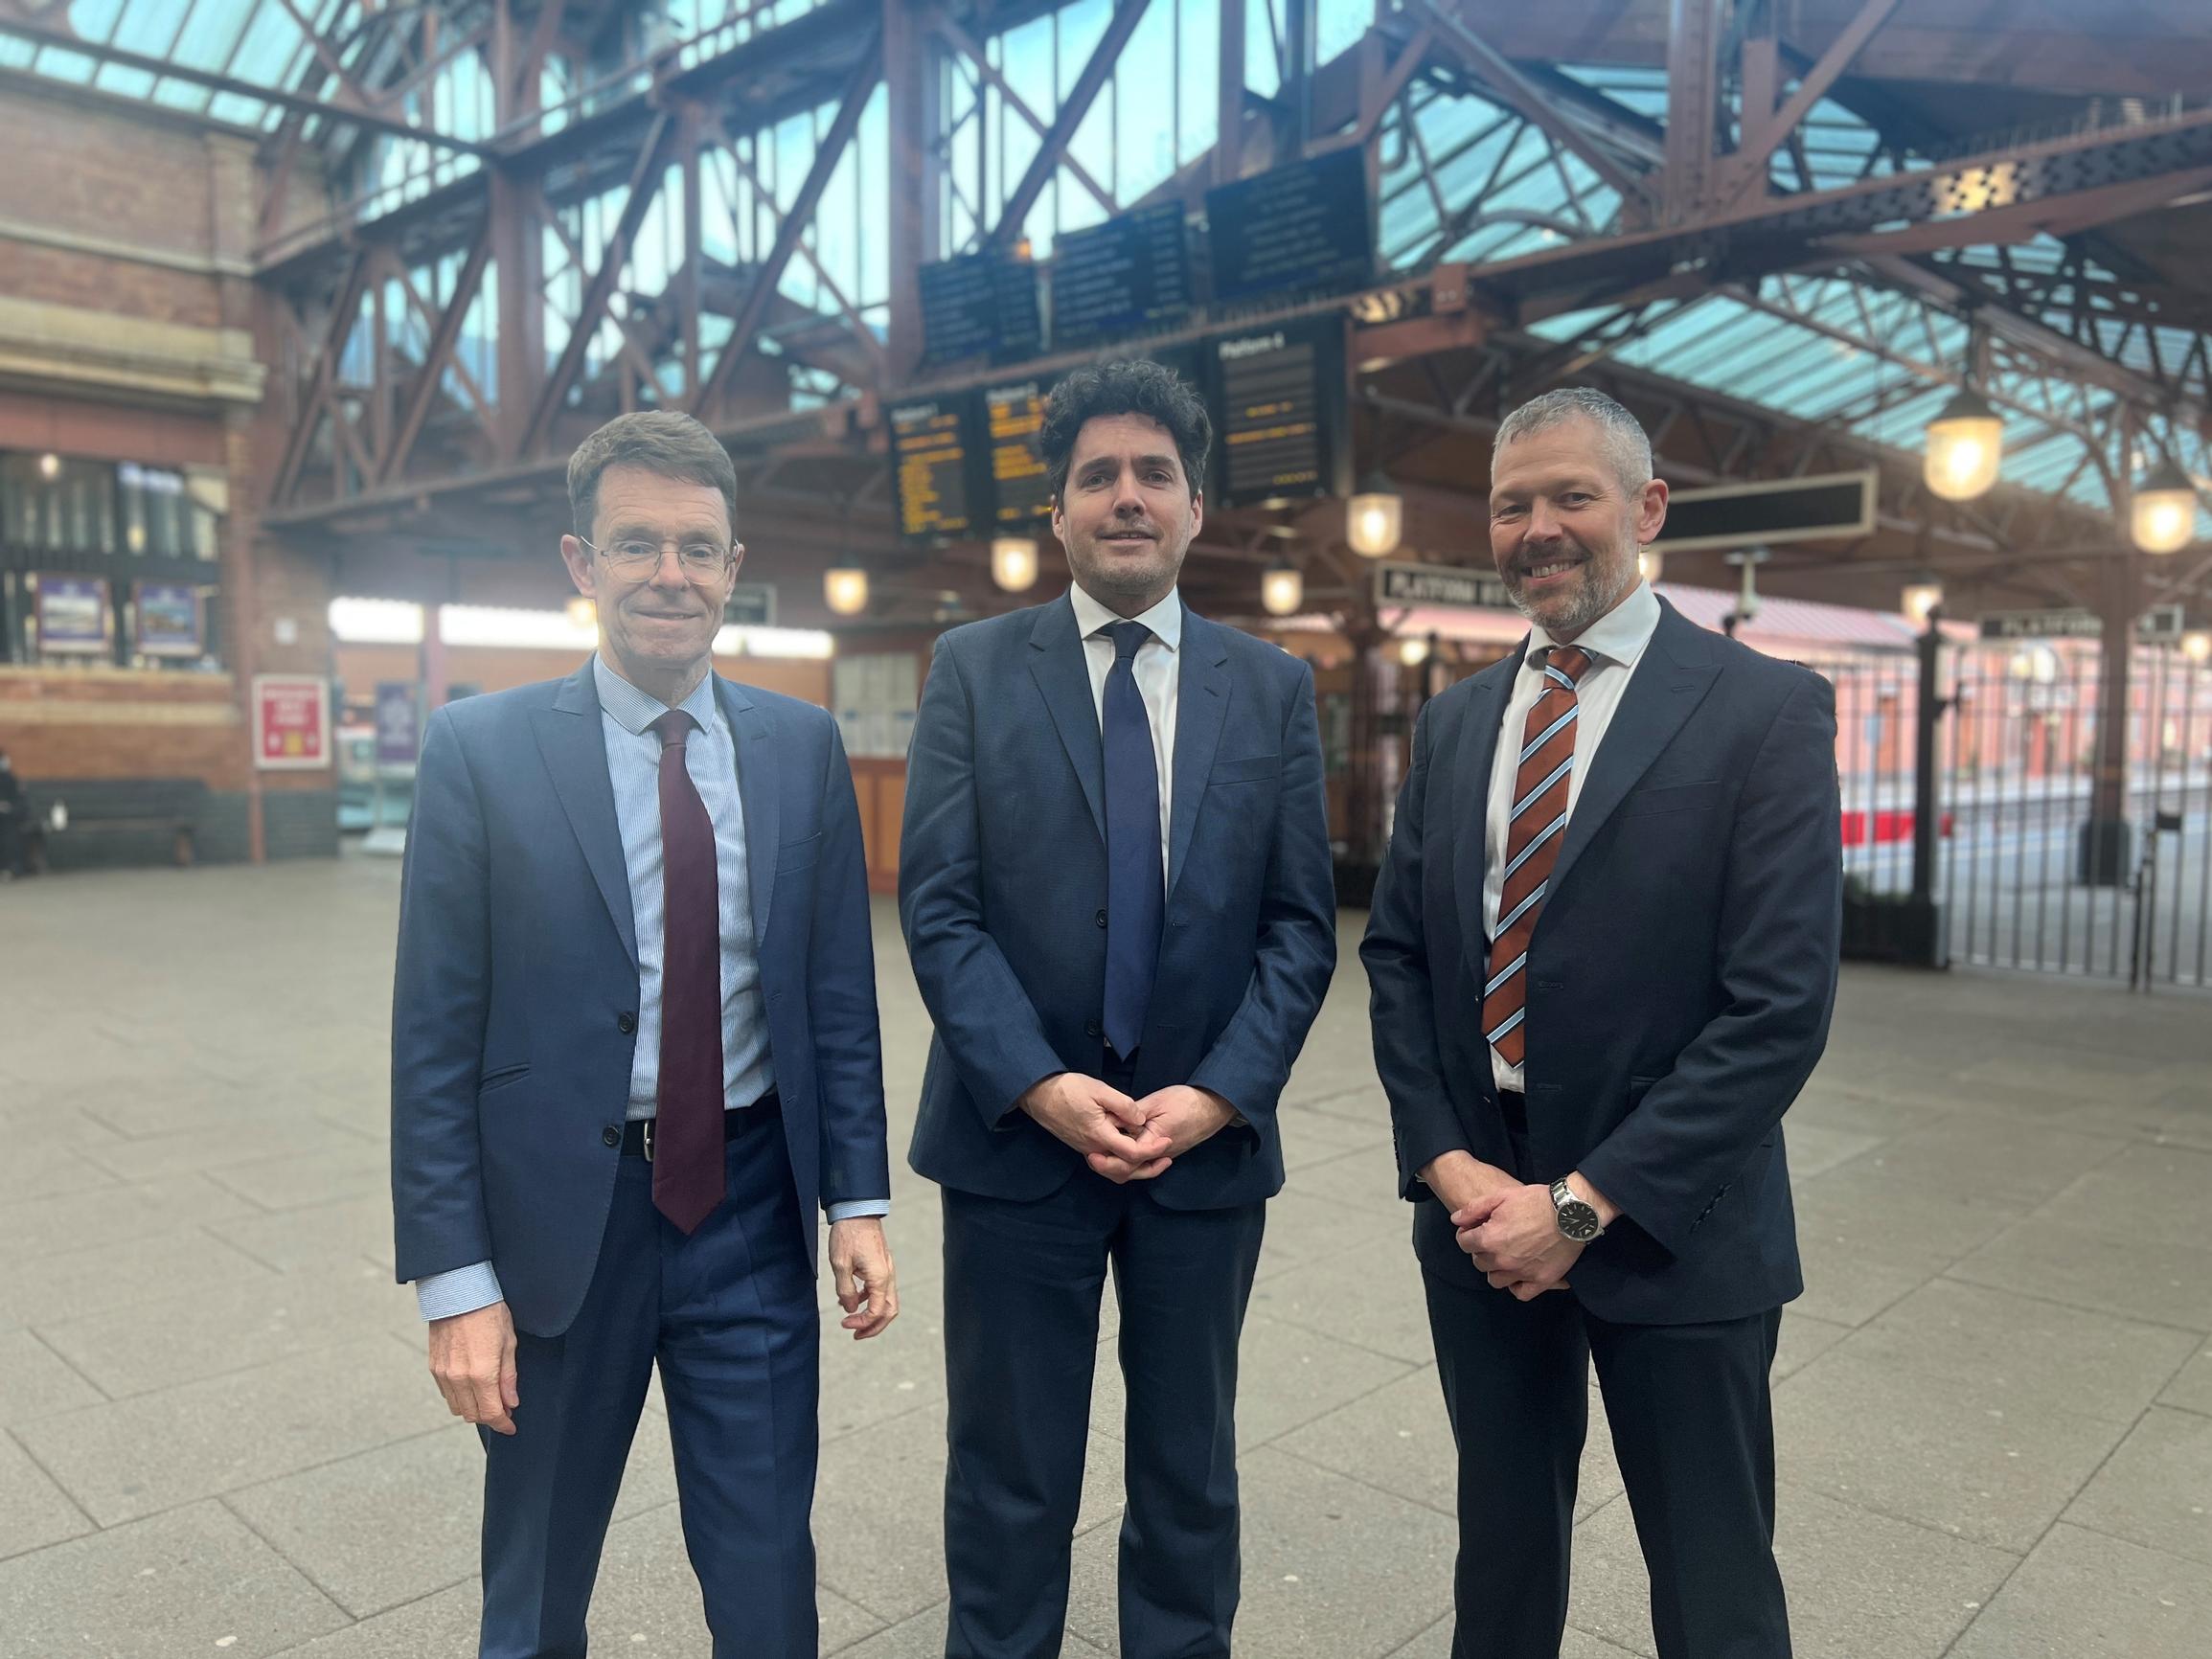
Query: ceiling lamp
x=2163 y=517
x=49 y=465
x=1649 y=563
x=845 y=590
x=2197 y=647
x=1013 y=562
x=583 y=613
x=1923 y=599
x=1282 y=589
x=1413 y=652
x=1966 y=443
x=1374 y=518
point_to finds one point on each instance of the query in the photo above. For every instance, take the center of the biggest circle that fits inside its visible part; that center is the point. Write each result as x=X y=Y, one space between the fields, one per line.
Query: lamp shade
x=1921 y=600
x=1374 y=518
x=1013 y=562
x=1281 y=590
x=1965 y=445
x=845 y=590
x=2163 y=515
x=1650 y=563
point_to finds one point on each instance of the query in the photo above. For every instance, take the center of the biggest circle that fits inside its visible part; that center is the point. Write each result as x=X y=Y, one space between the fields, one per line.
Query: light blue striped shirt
x=634 y=766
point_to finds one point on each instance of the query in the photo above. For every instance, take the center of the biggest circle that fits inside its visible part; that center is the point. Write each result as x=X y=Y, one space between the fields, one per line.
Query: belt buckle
x=646 y=1137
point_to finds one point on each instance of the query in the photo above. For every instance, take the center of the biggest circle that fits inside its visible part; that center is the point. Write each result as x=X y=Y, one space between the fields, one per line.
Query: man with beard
x=1114 y=879
x=1603 y=956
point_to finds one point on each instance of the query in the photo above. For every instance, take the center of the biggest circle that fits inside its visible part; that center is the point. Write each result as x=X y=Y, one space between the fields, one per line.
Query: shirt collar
x=633 y=710
x=1619 y=636
x=1165 y=619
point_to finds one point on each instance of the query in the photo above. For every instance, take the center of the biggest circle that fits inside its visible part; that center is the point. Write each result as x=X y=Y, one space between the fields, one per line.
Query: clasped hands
x=1121 y=1138
x=1509 y=1230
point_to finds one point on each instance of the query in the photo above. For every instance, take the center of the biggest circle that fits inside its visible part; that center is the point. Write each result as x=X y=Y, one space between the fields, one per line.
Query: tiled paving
x=217 y=1433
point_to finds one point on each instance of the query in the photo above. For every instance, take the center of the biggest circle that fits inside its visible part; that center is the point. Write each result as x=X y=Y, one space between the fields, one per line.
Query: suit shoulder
x=783 y=705
x=490 y=711
x=1264 y=656
x=1776 y=677
x=992 y=633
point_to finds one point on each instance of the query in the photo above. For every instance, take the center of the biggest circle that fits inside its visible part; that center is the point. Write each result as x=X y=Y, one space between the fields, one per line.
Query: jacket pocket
x=1249 y=769
x=500 y=1078
x=798 y=854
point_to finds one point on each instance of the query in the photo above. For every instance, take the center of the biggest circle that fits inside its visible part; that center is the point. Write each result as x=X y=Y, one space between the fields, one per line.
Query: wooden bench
x=98 y=807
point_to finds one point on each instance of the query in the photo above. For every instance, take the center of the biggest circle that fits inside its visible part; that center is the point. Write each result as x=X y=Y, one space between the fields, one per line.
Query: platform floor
x=217 y=1433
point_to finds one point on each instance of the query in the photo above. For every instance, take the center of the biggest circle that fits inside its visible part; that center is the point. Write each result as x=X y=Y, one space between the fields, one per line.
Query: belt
x=637 y=1135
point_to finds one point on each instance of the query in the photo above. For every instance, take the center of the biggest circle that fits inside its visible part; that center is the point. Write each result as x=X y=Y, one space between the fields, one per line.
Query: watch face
x=1579 y=1222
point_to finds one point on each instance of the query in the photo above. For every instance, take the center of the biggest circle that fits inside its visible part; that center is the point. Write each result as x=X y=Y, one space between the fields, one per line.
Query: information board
x=1118 y=277
x=1305 y=226
x=1013 y=419
x=1278 y=398
x=931 y=459
x=980 y=304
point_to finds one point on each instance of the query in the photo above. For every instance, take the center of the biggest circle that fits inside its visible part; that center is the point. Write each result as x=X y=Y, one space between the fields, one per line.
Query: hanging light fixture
x=1650 y=564
x=583 y=613
x=1413 y=650
x=1965 y=445
x=2163 y=517
x=2196 y=646
x=845 y=590
x=50 y=467
x=1282 y=589
x=1374 y=518
x=1923 y=599
x=1013 y=562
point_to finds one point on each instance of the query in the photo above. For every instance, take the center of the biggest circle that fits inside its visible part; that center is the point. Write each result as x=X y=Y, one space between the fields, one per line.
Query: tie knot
x=1571 y=662
x=673 y=729
x=1129 y=639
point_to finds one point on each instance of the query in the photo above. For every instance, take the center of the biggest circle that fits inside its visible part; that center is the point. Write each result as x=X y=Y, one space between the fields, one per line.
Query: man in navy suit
x=633 y=1047
x=1116 y=890
x=1603 y=956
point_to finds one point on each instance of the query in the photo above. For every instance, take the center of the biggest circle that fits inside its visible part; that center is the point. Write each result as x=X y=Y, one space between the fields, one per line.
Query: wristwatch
x=1578 y=1221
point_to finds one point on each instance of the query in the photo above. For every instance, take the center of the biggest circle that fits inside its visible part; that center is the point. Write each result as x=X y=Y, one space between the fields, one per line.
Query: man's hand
x=1515 y=1237
x=867 y=1284
x=1101 y=1123
x=1188 y=1117
x=1462 y=1180
x=473 y=1358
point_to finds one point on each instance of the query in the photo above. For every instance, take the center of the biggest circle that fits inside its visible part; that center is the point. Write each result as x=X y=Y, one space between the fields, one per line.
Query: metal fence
x=2021 y=879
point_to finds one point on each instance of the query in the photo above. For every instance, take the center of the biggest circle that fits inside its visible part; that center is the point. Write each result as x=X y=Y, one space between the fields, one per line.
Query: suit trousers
x=1693 y=1431
x=730 y=1315
x=1022 y=1310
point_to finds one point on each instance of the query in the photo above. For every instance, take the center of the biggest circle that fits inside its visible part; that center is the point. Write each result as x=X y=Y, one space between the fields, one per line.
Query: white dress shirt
x=1616 y=643
x=1157 y=676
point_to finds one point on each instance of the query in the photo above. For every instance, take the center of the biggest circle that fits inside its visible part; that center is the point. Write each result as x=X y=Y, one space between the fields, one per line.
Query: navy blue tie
x=1135 y=899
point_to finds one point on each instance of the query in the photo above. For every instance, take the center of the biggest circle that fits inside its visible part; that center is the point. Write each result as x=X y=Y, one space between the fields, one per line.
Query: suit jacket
x=517 y=994
x=1680 y=979
x=1002 y=890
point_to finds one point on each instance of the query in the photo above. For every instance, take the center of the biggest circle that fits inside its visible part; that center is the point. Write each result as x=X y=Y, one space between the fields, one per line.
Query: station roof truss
x=1787 y=232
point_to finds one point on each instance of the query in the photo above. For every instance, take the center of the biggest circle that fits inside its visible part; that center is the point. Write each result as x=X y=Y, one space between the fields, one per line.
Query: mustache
x=1521 y=562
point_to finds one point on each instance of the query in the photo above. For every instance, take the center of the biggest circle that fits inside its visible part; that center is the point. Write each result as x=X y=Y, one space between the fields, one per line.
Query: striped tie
x=1534 y=829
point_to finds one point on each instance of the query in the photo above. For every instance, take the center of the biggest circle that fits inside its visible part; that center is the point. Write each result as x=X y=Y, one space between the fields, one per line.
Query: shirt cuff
x=462 y=1290
x=852 y=1209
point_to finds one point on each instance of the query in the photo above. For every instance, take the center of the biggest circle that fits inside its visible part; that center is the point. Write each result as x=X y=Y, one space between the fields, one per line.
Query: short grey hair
x=1628 y=447
x=665 y=441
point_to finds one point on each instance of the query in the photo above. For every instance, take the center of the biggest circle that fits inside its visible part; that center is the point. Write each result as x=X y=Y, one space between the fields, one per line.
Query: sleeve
x=841 y=1001
x=458 y=1290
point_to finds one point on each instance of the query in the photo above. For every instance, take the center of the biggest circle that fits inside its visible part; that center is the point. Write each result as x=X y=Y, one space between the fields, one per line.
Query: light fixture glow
x=1413 y=652
x=742 y=639
x=1281 y=590
x=1013 y=562
x=484 y=625
x=49 y=465
x=1374 y=518
x=1921 y=600
x=375 y=622
x=583 y=613
x=1965 y=445
x=1650 y=564
x=845 y=590
x=2163 y=516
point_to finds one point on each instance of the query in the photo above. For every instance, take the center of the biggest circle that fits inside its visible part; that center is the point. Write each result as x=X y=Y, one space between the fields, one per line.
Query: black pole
x=1927 y=827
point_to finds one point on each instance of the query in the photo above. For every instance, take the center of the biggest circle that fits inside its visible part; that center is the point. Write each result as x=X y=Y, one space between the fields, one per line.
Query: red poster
x=292 y=722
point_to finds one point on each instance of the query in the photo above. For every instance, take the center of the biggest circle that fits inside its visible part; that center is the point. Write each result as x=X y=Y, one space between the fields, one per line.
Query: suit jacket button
x=611 y=1135
x=625 y=1023
x=1099 y=919
x=1092 y=1029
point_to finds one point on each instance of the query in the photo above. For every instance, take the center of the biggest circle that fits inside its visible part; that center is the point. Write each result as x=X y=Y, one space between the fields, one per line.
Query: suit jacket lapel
x=757 y=791
x=573 y=747
x=1671 y=680
x=1470 y=805
x=1201 y=704
x=1057 y=660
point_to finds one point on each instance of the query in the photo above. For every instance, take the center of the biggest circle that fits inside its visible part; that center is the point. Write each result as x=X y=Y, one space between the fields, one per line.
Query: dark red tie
x=686 y=1142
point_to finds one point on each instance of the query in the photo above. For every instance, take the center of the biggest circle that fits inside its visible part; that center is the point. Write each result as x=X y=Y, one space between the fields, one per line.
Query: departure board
x=929 y=464
x=1013 y=418
x=980 y=305
x=1279 y=404
x=1305 y=226
x=1115 y=279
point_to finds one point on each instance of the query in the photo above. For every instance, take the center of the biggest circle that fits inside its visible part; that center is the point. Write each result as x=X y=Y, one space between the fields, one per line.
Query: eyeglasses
x=702 y=560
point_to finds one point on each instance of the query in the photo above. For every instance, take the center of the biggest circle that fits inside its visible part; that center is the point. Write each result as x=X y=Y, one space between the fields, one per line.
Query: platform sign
x=2160 y=624
x=291 y=722
x=1014 y=420
x=1437 y=584
x=931 y=462
x=1279 y=404
x=1119 y=277
x=1303 y=228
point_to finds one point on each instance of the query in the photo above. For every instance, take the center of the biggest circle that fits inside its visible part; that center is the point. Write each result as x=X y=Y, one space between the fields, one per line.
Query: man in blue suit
x=1115 y=886
x=1603 y=956
x=633 y=1047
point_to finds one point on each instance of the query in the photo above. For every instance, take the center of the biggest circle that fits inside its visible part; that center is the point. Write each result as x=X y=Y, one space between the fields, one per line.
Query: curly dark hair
x=1125 y=386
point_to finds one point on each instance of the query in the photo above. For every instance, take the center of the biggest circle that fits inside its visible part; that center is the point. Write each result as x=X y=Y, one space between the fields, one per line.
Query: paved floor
x=217 y=1433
